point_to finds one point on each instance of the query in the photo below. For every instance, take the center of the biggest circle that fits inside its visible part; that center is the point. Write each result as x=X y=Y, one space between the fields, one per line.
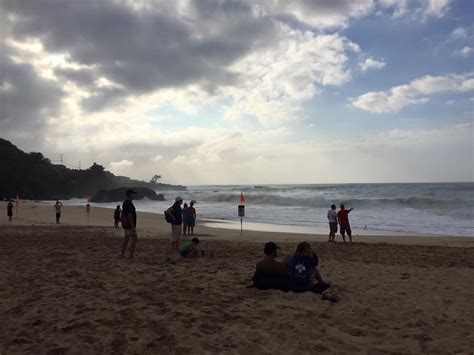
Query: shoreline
x=153 y=225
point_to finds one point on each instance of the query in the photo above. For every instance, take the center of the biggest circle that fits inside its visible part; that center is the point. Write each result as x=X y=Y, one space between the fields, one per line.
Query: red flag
x=17 y=197
x=242 y=198
x=89 y=199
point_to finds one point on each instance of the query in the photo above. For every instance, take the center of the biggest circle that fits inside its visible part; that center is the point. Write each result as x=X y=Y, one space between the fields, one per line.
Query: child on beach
x=10 y=210
x=191 y=220
x=189 y=248
x=185 y=218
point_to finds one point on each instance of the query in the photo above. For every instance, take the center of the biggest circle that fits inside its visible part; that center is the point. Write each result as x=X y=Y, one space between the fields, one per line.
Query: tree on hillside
x=155 y=179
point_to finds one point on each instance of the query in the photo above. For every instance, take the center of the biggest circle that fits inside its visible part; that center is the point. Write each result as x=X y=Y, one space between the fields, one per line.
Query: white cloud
x=371 y=63
x=319 y=14
x=274 y=81
x=465 y=52
x=395 y=155
x=157 y=158
x=120 y=166
x=459 y=33
x=417 y=8
x=436 y=8
x=415 y=92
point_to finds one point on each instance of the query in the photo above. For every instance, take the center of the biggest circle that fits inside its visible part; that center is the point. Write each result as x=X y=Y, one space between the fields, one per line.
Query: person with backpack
x=129 y=224
x=174 y=216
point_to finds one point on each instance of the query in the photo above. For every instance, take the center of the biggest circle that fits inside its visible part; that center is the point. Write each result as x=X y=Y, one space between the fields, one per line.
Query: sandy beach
x=65 y=290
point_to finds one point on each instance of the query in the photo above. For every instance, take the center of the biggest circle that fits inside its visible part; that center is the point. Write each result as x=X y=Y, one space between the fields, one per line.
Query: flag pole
x=241 y=227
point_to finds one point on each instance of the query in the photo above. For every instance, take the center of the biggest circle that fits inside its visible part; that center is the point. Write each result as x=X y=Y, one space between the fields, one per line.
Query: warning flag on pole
x=242 y=198
x=89 y=199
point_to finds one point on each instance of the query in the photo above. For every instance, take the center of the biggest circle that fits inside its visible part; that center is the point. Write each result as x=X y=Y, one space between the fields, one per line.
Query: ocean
x=414 y=208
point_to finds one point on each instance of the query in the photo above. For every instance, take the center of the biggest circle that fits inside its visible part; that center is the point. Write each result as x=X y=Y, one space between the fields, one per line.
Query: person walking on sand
x=185 y=218
x=332 y=218
x=176 y=214
x=191 y=218
x=344 y=226
x=10 y=210
x=57 y=207
x=129 y=224
x=117 y=213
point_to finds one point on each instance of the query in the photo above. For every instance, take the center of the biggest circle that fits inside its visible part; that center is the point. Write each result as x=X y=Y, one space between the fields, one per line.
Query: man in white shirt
x=332 y=218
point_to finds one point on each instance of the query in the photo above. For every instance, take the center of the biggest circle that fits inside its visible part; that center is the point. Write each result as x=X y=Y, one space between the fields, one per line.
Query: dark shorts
x=58 y=215
x=184 y=253
x=333 y=227
x=319 y=288
x=345 y=229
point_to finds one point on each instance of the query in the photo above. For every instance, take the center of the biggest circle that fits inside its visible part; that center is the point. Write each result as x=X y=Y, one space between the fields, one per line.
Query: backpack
x=168 y=217
x=124 y=220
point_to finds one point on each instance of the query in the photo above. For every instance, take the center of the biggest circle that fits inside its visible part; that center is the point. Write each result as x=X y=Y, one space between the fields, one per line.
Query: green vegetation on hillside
x=32 y=176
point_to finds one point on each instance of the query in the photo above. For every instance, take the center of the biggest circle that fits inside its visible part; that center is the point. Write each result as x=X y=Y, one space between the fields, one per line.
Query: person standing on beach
x=176 y=214
x=10 y=210
x=57 y=207
x=129 y=224
x=344 y=226
x=332 y=218
x=191 y=218
x=185 y=218
x=117 y=213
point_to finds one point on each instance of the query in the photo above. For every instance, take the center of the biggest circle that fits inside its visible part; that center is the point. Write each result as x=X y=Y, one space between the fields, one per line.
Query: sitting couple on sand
x=298 y=273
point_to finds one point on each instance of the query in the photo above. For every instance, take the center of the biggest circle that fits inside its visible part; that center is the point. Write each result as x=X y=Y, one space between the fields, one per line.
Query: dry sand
x=64 y=290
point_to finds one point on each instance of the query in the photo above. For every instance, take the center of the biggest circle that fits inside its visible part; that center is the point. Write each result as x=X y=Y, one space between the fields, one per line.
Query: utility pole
x=61 y=160
x=79 y=165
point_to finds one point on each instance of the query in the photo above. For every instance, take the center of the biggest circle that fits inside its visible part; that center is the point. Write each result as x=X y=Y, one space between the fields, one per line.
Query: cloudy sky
x=235 y=92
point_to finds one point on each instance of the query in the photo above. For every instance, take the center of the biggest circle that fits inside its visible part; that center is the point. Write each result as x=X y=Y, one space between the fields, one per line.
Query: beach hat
x=178 y=198
x=270 y=247
x=129 y=192
x=193 y=201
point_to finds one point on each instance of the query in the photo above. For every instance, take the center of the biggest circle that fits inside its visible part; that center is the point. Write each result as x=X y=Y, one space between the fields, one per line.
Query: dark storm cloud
x=26 y=99
x=81 y=77
x=142 y=51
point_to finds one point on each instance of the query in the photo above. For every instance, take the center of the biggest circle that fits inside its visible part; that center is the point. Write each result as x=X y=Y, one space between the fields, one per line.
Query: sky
x=243 y=92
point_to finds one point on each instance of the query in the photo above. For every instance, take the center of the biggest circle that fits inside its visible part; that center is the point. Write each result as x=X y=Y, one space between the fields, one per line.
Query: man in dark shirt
x=129 y=223
x=270 y=273
x=177 y=220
